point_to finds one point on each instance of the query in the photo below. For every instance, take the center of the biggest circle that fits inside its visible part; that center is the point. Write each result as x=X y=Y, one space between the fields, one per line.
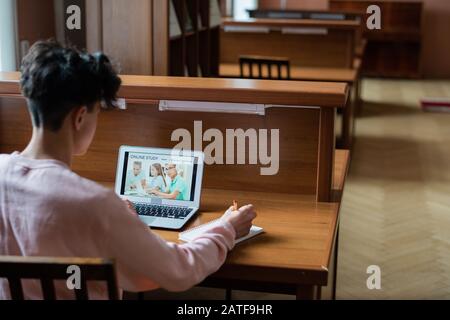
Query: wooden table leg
x=228 y=295
x=335 y=267
x=358 y=99
x=307 y=293
x=348 y=116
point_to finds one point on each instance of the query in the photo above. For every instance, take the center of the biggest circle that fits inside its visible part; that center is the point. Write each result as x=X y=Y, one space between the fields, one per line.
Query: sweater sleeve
x=145 y=261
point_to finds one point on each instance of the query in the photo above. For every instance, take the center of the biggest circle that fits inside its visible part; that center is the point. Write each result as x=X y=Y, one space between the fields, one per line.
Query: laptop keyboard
x=162 y=211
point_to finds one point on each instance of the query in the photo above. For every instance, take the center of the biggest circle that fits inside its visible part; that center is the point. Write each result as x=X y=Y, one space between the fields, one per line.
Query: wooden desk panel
x=144 y=125
x=334 y=50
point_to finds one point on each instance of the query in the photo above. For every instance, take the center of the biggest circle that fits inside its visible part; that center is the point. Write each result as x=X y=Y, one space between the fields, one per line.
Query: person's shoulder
x=87 y=196
x=76 y=186
x=4 y=158
x=4 y=161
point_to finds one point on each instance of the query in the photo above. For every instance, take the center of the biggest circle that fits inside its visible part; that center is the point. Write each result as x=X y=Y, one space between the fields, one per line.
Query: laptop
x=163 y=184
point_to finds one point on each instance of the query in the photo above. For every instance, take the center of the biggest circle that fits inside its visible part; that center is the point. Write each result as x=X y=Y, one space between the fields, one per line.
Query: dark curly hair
x=57 y=79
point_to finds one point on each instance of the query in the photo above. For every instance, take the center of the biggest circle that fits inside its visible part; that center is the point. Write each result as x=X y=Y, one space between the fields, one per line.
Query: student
x=48 y=210
x=177 y=189
x=157 y=179
x=135 y=178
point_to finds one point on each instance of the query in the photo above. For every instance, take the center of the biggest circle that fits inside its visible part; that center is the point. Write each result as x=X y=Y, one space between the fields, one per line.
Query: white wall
x=8 y=35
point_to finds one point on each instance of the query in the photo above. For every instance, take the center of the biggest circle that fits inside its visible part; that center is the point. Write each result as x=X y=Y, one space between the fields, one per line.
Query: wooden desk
x=297 y=207
x=297 y=243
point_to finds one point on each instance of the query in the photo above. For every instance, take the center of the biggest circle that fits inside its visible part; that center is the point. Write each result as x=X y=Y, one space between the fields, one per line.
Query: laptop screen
x=148 y=175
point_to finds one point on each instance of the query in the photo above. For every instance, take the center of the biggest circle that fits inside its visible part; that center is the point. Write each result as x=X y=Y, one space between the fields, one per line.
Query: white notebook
x=194 y=233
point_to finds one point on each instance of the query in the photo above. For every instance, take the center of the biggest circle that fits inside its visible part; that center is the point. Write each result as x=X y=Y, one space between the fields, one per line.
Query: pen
x=235 y=205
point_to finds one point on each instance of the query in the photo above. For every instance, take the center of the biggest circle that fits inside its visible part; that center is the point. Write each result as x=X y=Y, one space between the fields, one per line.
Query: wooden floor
x=396 y=207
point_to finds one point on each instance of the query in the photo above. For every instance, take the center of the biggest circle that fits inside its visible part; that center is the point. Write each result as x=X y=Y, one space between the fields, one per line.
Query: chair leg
x=228 y=295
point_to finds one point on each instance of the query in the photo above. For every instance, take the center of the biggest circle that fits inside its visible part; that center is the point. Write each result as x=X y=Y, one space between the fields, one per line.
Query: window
x=240 y=8
x=7 y=36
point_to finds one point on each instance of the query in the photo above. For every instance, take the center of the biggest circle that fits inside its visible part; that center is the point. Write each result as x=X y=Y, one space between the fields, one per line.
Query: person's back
x=48 y=210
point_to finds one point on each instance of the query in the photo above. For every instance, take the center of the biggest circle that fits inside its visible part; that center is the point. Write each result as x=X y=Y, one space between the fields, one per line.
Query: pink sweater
x=47 y=210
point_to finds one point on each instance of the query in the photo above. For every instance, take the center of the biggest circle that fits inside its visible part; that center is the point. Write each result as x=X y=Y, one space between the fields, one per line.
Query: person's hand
x=157 y=193
x=241 y=220
x=130 y=206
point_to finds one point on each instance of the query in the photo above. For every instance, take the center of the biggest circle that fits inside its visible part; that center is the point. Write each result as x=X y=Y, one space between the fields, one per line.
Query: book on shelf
x=215 y=15
x=200 y=24
x=175 y=30
x=188 y=25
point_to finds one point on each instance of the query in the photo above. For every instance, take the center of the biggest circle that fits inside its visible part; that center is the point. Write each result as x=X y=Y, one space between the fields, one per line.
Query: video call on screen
x=156 y=175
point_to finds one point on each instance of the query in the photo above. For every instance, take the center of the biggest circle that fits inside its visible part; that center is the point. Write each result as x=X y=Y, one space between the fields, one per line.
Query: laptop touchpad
x=147 y=220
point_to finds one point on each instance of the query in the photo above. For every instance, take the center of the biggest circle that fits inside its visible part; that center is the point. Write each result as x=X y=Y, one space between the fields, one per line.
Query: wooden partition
x=332 y=15
x=308 y=43
x=298 y=208
x=396 y=49
x=304 y=133
x=144 y=125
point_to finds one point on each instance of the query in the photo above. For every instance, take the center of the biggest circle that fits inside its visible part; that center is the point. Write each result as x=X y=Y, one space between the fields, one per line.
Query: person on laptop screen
x=177 y=189
x=135 y=177
x=48 y=210
x=157 y=181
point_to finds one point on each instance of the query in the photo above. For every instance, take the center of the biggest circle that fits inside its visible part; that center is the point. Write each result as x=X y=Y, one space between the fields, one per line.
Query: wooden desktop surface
x=150 y=88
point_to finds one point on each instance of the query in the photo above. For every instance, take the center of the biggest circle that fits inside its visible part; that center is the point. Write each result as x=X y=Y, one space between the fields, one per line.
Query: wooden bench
x=298 y=208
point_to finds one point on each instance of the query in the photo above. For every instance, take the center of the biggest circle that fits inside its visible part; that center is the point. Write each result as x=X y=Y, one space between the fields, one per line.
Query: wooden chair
x=47 y=270
x=265 y=63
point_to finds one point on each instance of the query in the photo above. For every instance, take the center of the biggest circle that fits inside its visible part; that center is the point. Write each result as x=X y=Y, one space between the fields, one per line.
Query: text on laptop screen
x=159 y=175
